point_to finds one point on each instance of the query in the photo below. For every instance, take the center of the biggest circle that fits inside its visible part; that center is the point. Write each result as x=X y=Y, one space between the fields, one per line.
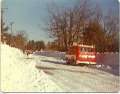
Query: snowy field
x=47 y=72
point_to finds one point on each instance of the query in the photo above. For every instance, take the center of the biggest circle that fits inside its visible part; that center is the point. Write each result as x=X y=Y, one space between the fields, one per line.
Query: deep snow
x=21 y=73
x=18 y=73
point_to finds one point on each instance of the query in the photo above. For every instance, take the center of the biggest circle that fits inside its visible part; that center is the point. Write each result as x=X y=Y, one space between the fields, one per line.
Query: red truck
x=81 y=54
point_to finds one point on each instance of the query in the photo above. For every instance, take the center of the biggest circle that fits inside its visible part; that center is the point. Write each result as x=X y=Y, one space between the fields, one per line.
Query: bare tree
x=20 y=40
x=112 y=31
x=67 y=24
x=83 y=23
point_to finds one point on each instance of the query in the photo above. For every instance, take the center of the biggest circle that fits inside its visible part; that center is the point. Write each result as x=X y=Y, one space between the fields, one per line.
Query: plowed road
x=77 y=78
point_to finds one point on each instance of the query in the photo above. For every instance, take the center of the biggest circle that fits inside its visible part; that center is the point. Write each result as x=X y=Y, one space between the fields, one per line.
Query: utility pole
x=11 y=26
x=2 y=15
x=2 y=24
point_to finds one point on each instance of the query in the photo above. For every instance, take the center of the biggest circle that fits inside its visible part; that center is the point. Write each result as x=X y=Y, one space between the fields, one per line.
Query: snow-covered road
x=77 y=78
x=38 y=73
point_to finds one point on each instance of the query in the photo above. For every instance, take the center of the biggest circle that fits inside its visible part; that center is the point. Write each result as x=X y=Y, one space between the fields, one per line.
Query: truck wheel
x=74 y=62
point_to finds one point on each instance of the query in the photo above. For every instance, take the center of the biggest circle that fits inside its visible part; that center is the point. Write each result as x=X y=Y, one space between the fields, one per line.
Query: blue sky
x=31 y=15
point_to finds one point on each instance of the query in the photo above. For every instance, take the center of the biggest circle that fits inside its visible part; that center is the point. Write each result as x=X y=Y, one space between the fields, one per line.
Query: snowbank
x=18 y=74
